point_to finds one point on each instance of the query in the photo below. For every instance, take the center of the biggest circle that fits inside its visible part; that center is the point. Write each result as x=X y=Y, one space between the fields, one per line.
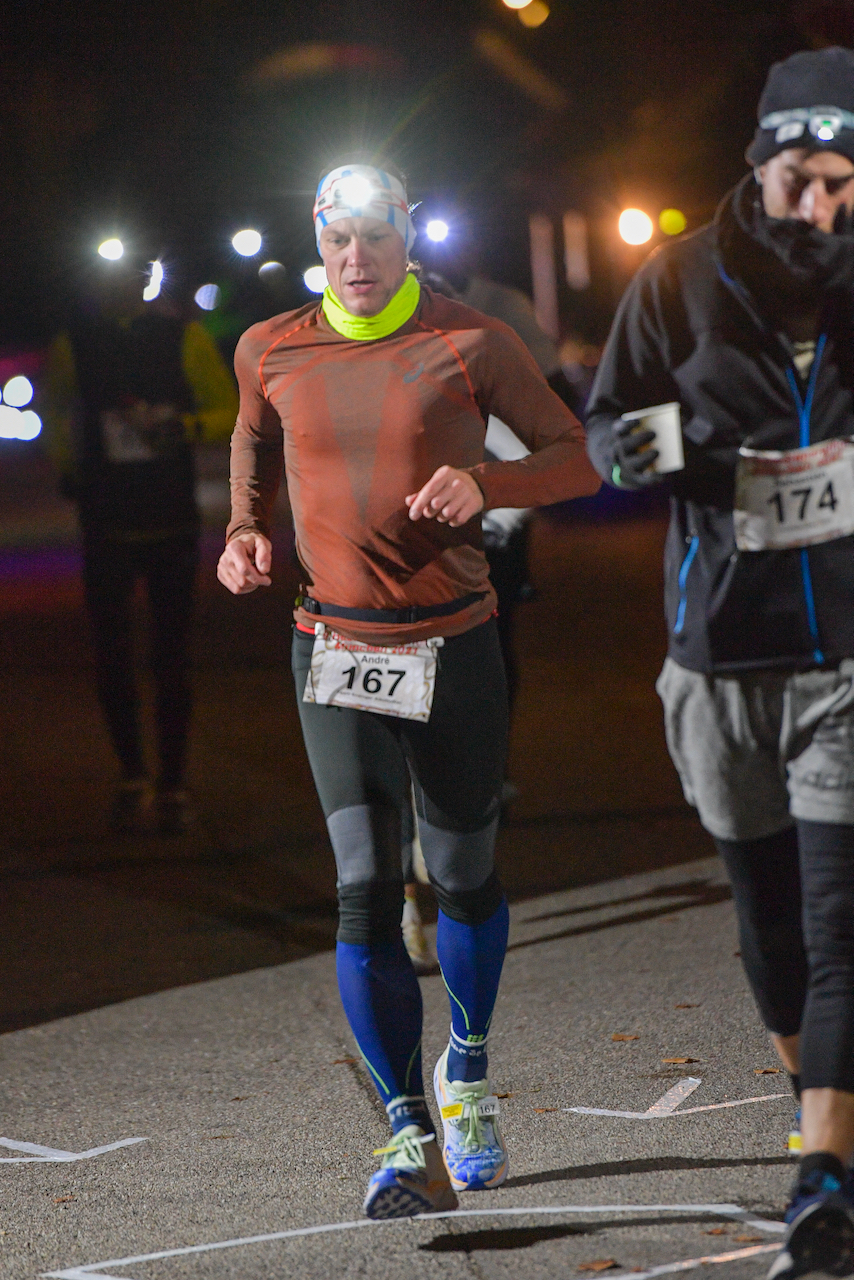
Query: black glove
x=633 y=457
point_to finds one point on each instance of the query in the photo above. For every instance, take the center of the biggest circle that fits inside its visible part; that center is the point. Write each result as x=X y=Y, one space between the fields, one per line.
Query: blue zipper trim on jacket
x=683 y=584
x=804 y=406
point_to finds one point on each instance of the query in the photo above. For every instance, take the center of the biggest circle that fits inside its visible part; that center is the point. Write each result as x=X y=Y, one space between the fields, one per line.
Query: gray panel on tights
x=458 y=860
x=366 y=842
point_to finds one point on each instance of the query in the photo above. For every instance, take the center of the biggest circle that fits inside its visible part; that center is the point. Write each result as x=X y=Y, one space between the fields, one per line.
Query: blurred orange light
x=534 y=14
x=635 y=226
x=517 y=4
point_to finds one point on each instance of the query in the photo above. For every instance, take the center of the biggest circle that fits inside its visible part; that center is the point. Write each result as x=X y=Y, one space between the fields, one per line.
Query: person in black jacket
x=748 y=325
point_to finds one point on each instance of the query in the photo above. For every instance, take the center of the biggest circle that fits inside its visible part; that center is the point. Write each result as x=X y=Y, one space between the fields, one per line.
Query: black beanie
x=808 y=101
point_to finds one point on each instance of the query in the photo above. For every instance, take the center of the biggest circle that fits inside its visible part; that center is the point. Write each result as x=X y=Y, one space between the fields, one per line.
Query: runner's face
x=365 y=262
x=811 y=188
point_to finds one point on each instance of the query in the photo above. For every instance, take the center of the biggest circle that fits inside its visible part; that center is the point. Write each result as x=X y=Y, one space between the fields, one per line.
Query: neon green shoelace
x=406 y=1149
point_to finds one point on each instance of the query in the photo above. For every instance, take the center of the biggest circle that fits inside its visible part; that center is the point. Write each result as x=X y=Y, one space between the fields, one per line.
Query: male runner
x=380 y=395
x=748 y=324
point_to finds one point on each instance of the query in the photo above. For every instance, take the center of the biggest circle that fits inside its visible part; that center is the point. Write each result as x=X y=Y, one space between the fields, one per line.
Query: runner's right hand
x=245 y=563
x=634 y=457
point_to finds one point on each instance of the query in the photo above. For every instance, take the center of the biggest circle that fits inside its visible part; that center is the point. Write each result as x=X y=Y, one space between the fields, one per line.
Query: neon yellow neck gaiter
x=365 y=328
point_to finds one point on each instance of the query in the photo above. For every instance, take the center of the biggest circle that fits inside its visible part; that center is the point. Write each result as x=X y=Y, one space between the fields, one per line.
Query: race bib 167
x=395 y=680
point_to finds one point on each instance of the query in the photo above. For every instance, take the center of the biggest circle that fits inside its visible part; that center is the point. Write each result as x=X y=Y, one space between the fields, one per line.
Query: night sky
x=172 y=124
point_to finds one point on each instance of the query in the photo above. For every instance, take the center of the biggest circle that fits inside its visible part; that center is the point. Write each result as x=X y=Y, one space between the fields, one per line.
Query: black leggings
x=111 y=570
x=364 y=764
x=794 y=896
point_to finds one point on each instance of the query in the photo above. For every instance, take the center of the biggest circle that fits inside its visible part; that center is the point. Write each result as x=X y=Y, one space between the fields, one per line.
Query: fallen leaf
x=242 y=1097
x=542 y=1110
x=737 y=953
x=766 y=1071
x=505 y=1095
x=680 y=1061
x=341 y=1061
x=62 y=1199
x=715 y=1231
x=599 y=1264
x=686 y=1006
x=617 y=1036
x=748 y=1239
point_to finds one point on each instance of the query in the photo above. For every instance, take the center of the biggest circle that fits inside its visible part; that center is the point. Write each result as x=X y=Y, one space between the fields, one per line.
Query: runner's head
x=803 y=149
x=364 y=234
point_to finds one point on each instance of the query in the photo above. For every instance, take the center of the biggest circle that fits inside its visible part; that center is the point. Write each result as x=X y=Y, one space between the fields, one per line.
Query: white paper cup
x=665 y=421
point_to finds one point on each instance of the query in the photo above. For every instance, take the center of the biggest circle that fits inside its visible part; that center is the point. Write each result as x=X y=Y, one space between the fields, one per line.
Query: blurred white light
x=112 y=250
x=18 y=391
x=155 y=280
x=353 y=191
x=437 y=229
x=10 y=422
x=516 y=4
x=635 y=226
x=315 y=279
x=207 y=297
x=269 y=269
x=30 y=425
x=247 y=243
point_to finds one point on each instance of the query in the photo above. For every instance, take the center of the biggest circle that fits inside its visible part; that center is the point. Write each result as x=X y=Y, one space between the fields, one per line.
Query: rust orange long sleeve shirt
x=362 y=424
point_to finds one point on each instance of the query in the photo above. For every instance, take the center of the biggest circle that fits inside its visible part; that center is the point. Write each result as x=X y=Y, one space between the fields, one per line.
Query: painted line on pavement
x=51 y=1155
x=718 y=1210
x=666 y=1106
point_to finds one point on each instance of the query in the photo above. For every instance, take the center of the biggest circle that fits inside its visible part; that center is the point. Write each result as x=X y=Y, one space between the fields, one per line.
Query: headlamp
x=824 y=123
x=352 y=192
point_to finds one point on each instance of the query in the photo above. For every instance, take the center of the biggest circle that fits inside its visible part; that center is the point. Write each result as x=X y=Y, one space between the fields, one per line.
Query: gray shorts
x=754 y=751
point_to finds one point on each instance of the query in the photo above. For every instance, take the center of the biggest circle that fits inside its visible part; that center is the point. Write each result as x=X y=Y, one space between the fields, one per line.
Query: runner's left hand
x=451 y=496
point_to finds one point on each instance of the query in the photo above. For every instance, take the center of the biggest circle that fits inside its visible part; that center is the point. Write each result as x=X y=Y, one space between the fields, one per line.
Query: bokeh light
x=672 y=222
x=315 y=279
x=207 y=297
x=30 y=425
x=635 y=226
x=517 y=4
x=247 y=243
x=111 y=249
x=437 y=229
x=534 y=14
x=269 y=270
x=155 y=280
x=18 y=391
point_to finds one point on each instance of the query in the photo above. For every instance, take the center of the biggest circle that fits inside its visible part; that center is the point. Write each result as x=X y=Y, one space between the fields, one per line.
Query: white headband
x=361 y=191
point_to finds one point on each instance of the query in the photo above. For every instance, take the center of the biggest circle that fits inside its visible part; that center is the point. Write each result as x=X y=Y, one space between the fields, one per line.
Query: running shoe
x=414 y=939
x=820 y=1240
x=474 y=1149
x=411 y=1179
x=793 y=1146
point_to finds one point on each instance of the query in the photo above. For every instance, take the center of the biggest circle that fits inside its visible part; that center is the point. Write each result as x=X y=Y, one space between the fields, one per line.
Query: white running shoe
x=412 y=1178
x=474 y=1149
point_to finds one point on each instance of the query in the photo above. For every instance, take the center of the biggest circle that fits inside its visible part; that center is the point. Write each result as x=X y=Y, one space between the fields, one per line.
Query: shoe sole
x=395 y=1201
x=822 y=1242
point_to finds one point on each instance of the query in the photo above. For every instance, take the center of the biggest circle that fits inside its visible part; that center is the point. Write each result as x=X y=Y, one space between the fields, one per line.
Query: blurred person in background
x=748 y=325
x=131 y=387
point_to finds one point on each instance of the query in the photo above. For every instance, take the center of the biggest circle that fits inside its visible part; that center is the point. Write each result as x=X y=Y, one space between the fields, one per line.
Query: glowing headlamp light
x=352 y=192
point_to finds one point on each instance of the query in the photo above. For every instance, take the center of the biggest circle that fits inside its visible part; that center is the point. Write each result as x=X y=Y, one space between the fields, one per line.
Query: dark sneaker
x=820 y=1240
x=174 y=812
x=133 y=805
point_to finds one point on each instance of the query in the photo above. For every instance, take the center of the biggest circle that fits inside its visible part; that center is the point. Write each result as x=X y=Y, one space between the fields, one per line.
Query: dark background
x=173 y=123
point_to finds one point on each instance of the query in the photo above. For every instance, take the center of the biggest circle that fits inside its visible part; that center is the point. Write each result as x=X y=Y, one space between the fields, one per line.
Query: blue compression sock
x=382 y=1001
x=471 y=957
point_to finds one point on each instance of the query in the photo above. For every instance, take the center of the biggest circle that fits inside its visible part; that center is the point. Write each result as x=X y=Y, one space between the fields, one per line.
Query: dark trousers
x=168 y=568
x=794 y=897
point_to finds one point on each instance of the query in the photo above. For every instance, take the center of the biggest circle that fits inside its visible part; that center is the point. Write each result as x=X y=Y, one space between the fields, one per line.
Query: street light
x=635 y=226
x=111 y=249
x=315 y=279
x=437 y=230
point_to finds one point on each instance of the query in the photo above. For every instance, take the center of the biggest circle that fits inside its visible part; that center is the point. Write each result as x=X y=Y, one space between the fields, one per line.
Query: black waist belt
x=399 y=617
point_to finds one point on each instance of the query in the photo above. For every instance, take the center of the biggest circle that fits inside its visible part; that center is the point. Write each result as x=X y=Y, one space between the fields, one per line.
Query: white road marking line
x=50 y=1155
x=668 y=1102
x=689 y=1264
x=89 y=1269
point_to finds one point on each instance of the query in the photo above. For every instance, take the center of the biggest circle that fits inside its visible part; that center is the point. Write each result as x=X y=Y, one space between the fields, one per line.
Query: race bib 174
x=395 y=680
x=794 y=498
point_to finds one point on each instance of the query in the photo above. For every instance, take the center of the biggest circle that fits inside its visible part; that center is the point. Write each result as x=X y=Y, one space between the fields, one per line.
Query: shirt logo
x=415 y=373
